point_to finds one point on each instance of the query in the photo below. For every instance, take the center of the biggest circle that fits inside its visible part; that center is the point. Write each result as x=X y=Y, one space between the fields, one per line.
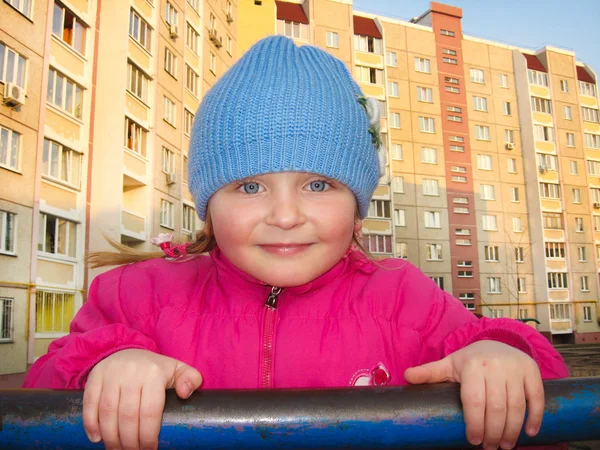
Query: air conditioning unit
x=14 y=95
x=543 y=169
x=171 y=178
x=510 y=146
x=174 y=31
x=215 y=38
x=229 y=18
x=596 y=205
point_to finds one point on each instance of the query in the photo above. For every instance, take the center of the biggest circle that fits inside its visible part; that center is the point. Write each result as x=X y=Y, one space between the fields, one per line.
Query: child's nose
x=286 y=211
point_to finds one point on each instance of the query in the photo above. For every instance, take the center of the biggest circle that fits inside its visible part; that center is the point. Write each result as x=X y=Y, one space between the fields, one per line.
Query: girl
x=283 y=162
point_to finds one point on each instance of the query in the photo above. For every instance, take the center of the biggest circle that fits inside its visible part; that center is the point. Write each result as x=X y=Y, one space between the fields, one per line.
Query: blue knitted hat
x=282 y=108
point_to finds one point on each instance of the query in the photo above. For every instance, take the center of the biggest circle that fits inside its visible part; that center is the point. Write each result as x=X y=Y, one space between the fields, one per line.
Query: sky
x=569 y=24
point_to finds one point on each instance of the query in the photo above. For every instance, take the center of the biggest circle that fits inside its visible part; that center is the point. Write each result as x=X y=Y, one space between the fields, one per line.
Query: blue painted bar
x=388 y=418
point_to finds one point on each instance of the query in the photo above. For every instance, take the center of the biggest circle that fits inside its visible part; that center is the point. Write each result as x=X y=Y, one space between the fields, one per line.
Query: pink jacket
x=360 y=323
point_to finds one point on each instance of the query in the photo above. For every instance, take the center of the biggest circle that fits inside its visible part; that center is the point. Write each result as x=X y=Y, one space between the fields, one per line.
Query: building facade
x=492 y=185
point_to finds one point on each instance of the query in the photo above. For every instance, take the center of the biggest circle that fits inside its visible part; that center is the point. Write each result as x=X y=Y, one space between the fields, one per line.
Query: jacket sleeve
x=105 y=324
x=448 y=326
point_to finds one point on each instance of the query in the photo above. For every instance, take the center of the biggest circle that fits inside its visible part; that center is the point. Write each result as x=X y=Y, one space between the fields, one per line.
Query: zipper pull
x=272 y=298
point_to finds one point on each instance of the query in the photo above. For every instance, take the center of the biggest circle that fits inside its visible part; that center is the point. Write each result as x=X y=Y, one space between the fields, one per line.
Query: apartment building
x=477 y=185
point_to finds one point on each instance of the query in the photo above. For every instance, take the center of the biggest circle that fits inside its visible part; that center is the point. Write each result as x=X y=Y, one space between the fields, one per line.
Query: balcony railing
x=384 y=418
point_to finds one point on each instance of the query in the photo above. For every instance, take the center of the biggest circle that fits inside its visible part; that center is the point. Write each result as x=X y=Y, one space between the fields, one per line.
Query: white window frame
x=492 y=253
x=564 y=85
x=171 y=63
x=393 y=89
x=543 y=133
x=139 y=30
x=10 y=148
x=426 y=124
x=56 y=297
x=517 y=225
x=137 y=82
x=568 y=113
x=8 y=233
x=506 y=109
x=538 y=78
x=399 y=217
x=422 y=65
x=69 y=227
x=487 y=192
x=401 y=250
x=168 y=161
x=23 y=6
x=522 y=286
x=167 y=214
x=554 y=250
x=582 y=252
x=139 y=137
x=18 y=74
x=379 y=209
x=589 y=114
x=78 y=29
x=188 y=219
x=482 y=133
x=169 y=111
x=587 y=313
x=192 y=39
x=489 y=222
x=434 y=252
x=586 y=88
x=515 y=195
x=61 y=164
x=480 y=103
x=332 y=39
x=391 y=59
x=395 y=120
x=432 y=219
x=57 y=94
x=429 y=155
x=558 y=280
x=171 y=14
x=591 y=140
x=430 y=187
x=477 y=76
x=576 y=195
x=397 y=152
x=571 y=140
x=519 y=255
x=7 y=315
x=484 y=162
x=424 y=94
x=494 y=285
x=503 y=81
x=192 y=81
x=398 y=185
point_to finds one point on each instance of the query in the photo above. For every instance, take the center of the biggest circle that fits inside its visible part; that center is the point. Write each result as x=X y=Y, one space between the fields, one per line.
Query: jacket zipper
x=268 y=330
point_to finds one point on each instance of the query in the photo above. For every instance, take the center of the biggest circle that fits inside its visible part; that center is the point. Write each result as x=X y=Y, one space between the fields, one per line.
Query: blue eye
x=318 y=186
x=251 y=188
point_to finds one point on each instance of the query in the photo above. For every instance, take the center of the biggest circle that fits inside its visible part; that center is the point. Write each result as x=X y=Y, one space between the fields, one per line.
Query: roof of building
x=366 y=27
x=292 y=12
x=534 y=63
x=583 y=75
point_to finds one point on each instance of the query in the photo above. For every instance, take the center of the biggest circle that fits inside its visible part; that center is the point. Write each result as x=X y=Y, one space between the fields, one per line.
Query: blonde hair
x=205 y=242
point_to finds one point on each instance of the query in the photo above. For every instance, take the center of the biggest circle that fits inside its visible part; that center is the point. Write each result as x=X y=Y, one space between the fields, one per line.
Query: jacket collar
x=352 y=261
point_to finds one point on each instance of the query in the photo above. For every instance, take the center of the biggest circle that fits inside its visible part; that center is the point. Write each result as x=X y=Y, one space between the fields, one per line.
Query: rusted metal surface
x=390 y=418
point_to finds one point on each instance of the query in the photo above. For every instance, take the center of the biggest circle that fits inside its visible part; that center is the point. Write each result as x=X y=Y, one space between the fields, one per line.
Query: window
x=496 y=313
x=379 y=209
x=432 y=219
x=401 y=250
x=459 y=179
x=23 y=6
x=368 y=44
x=592 y=140
x=494 y=286
x=397 y=152
x=593 y=167
x=170 y=63
x=398 y=185
x=541 y=105
x=463 y=242
x=391 y=59
x=573 y=167
x=576 y=195
x=509 y=136
x=400 y=217
x=480 y=103
x=434 y=252
x=135 y=137
x=587 y=88
x=512 y=165
x=294 y=30
x=8 y=232
x=64 y=94
x=393 y=89
x=429 y=155
x=449 y=60
x=212 y=63
x=139 y=30
x=57 y=236
x=582 y=254
x=188 y=221
x=587 y=313
x=376 y=243
x=430 y=187
x=477 y=76
x=447 y=33
x=487 y=192
x=184 y=170
x=10 y=145
x=168 y=161
x=579 y=224
x=567 y=112
x=589 y=114
x=458 y=169
x=467 y=296
x=451 y=80
x=137 y=82
x=171 y=15
x=422 y=65
x=192 y=38
x=61 y=163
x=564 y=85
x=560 y=311
x=454 y=118
x=369 y=75
x=12 y=66
x=595 y=194
x=464 y=263
x=553 y=221
x=455 y=109
x=517 y=225
x=503 y=81
x=542 y=133
x=53 y=311
x=514 y=194
x=548 y=162
x=68 y=28
x=506 y=109
x=491 y=253
x=519 y=255
x=332 y=39
x=188 y=122
x=167 y=218
x=452 y=89
x=195 y=4
x=570 y=140
x=191 y=80
x=484 y=162
x=462 y=232
x=229 y=45
x=489 y=223
x=482 y=133
x=439 y=281
x=549 y=190
x=596 y=220
x=6 y=319
x=395 y=120
x=424 y=94
x=555 y=250
x=461 y=210
x=558 y=280
x=169 y=111
x=426 y=124
x=539 y=78
x=447 y=51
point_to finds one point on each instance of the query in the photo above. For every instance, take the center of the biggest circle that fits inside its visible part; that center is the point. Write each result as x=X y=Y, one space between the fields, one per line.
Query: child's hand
x=124 y=397
x=496 y=380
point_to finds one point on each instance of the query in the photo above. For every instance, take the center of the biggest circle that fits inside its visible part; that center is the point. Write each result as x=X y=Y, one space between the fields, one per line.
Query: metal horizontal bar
x=392 y=418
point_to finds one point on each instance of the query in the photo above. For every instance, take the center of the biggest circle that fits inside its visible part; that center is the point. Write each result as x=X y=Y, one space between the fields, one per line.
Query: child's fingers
x=433 y=372
x=91 y=397
x=472 y=396
x=128 y=417
x=495 y=408
x=151 y=410
x=108 y=407
x=534 y=392
x=186 y=381
x=515 y=414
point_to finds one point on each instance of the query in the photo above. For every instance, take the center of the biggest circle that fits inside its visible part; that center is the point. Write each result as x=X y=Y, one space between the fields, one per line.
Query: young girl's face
x=285 y=229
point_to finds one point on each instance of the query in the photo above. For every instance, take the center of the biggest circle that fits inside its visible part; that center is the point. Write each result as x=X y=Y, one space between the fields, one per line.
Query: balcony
x=133 y=226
